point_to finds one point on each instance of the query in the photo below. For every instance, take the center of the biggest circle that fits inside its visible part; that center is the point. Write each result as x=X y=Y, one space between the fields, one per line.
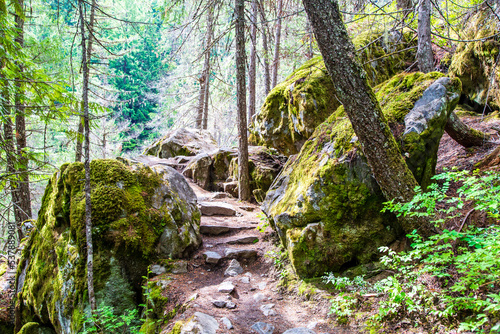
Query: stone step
x=216 y=209
x=246 y=240
x=221 y=229
x=238 y=253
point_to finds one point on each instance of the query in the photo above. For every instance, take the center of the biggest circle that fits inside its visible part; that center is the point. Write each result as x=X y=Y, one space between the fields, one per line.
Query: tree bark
x=207 y=97
x=206 y=67
x=10 y=153
x=23 y=207
x=463 y=134
x=277 y=41
x=424 y=48
x=265 y=38
x=243 y=175
x=252 y=67
x=86 y=53
x=361 y=106
x=79 y=139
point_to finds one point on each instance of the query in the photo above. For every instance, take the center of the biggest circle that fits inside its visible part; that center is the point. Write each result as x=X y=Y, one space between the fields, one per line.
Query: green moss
x=295 y=107
x=126 y=231
x=35 y=328
x=329 y=213
x=475 y=62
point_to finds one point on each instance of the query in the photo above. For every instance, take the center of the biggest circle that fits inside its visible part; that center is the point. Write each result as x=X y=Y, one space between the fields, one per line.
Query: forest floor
x=259 y=284
x=295 y=303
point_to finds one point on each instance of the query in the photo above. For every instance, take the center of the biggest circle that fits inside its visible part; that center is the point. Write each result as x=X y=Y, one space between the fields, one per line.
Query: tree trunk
x=265 y=38
x=277 y=40
x=207 y=97
x=463 y=134
x=243 y=175
x=424 y=51
x=23 y=207
x=377 y=142
x=206 y=67
x=10 y=153
x=310 y=53
x=86 y=53
x=79 y=139
x=252 y=67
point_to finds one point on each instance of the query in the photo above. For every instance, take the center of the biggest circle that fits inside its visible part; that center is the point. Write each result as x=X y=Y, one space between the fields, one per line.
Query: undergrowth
x=450 y=279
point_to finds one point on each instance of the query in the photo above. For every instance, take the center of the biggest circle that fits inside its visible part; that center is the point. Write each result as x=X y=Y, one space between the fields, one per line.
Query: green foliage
x=104 y=320
x=452 y=278
x=135 y=73
x=482 y=189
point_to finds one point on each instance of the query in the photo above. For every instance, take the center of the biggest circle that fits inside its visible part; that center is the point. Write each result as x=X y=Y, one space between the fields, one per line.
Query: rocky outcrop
x=211 y=171
x=325 y=204
x=475 y=63
x=295 y=107
x=183 y=141
x=140 y=214
x=264 y=165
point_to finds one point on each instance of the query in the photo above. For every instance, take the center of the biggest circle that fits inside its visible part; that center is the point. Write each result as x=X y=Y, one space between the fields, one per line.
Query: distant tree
x=277 y=43
x=135 y=75
x=252 y=66
x=424 y=52
x=202 y=112
x=243 y=174
x=265 y=47
x=86 y=45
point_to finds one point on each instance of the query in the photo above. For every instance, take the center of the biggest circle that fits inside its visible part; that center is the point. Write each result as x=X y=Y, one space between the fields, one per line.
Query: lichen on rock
x=325 y=204
x=140 y=214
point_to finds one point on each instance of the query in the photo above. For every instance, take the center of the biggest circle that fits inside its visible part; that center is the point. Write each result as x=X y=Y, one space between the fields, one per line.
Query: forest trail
x=256 y=297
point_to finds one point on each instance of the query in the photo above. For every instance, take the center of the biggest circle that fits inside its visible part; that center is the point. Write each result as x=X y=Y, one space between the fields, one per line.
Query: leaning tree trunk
x=206 y=68
x=463 y=134
x=265 y=47
x=243 y=174
x=23 y=207
x=252 y=67
x=361 y=106
x=277 y=41
x=86 y=53
x=424 y=51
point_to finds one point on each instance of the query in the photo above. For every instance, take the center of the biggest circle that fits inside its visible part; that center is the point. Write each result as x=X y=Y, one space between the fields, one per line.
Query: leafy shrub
x=453 y=277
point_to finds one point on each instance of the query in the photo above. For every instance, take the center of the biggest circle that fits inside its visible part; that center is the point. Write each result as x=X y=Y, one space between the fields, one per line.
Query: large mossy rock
x=475 y=63
x=183 y=141
x=295 y=107
x=325 y=204
x=140 y=214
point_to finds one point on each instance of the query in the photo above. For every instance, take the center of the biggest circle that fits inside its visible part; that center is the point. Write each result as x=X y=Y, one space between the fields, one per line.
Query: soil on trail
x=255 y=287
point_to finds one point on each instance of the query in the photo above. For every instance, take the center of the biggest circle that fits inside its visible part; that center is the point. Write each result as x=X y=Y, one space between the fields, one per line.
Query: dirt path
x=254 y=288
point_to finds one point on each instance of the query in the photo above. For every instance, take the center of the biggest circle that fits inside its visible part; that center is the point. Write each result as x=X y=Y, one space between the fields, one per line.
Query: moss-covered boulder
x=295 y=107
x=325 y=204
x=183 y=141
x=35 y=328
x=140 y=214
x=475 y=63
x=264 y=165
